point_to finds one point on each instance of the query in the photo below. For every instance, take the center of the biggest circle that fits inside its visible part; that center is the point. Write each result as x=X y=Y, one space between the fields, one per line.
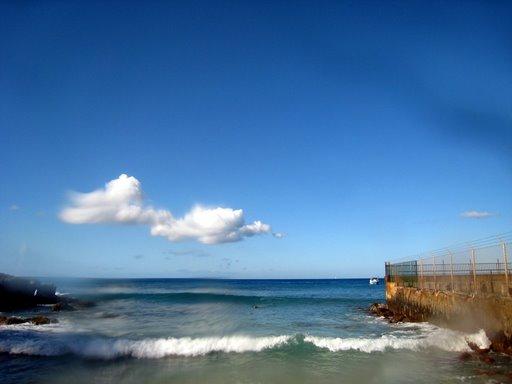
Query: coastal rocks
x=481 y=354
x=17 y=292
x=465 y=356
x=379 y=309
x=501 y=343
x=36 y=320
x=22 y=293
x=461 y=312
x=41 y=320
x=11 y=320
x=382 y=310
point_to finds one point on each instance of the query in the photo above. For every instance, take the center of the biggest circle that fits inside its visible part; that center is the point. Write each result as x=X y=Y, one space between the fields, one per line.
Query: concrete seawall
x=464 y=312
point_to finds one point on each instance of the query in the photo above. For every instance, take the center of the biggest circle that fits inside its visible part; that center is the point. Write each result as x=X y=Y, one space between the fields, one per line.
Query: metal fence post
x=505 y=261
x=434 y=270
x=451 y=271
x=421 y=274
x=473 y=261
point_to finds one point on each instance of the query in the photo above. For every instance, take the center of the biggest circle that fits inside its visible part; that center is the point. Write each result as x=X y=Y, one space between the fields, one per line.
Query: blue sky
x=362 y=131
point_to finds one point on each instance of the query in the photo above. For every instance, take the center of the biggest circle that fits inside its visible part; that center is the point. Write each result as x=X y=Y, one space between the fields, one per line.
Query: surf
x=44 y=341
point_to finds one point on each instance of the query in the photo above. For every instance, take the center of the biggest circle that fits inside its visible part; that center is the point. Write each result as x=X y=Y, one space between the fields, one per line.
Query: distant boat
x=374 y=280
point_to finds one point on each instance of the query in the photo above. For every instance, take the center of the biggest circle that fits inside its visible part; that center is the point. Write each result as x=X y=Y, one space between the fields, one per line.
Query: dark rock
x=37 y=320
x=15 y=320
x=501 y=343
x=465 y=356
x=40 y=320
x=477 y=349
x=17 y=292
x=487 y=359
x=383 y=310
x=379 y=309
x=397 y=318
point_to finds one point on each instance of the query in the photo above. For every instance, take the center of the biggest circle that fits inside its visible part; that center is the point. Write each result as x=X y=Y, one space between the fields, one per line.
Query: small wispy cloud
x=279 y=235
x=14 y=207
x=138 y=257
x=476 y=214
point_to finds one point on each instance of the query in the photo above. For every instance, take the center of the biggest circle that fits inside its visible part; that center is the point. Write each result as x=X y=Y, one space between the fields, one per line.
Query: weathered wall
x=464 y=312
x=487 y=284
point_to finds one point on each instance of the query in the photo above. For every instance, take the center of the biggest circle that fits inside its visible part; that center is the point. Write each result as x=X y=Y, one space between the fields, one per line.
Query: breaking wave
x=104 y=348
x=47 y=342
x=441 y=338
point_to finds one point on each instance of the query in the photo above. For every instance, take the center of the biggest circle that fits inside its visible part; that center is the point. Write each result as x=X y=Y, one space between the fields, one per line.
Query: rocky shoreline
x=498 y=344
x=20 y=293
x=36 y=320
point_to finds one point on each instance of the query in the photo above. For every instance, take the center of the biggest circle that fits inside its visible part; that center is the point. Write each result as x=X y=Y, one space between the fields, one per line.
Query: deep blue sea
x=233 y=331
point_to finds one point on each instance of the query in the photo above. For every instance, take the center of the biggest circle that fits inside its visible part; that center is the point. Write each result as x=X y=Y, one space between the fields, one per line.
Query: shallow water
x=234 y=331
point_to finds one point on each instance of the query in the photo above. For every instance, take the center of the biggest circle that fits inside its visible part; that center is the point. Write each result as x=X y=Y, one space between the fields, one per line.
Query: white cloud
x=255 y=228
x=122 y=202
x=279 y=235
x=14 y=207
x=476 y=214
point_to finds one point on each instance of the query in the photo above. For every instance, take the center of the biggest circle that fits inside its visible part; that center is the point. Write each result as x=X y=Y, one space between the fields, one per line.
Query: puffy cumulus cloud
x=207 y=225
x=121 y=201
x=476 y=214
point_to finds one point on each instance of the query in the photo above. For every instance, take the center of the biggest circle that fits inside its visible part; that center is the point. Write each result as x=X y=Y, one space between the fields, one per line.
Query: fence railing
x=479 y=267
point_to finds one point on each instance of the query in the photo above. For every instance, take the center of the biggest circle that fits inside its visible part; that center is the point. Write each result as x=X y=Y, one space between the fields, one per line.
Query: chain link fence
x=479 y=267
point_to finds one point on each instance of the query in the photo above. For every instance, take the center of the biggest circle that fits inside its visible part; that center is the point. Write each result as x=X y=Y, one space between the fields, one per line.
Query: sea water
x=234 y=331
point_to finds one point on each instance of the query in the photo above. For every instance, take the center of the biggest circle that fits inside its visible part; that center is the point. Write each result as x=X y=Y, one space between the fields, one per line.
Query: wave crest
x=148 y=348
x=55 y=343
x=441 y=338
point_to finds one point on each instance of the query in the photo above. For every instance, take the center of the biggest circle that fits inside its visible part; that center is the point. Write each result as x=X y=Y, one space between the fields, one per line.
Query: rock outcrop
x=22 y=293
x=37 y=320
x=18 y=292
x=382 y=310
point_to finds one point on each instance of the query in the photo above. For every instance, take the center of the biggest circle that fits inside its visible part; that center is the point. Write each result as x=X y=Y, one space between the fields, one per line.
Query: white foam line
x=439 y=338
x=55 y=343
x=147 y=348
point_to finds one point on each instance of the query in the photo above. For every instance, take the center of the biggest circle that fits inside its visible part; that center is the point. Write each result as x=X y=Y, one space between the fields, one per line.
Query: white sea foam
x=44 y=328
x=148 y=348
x=61 y=339
x=437 y=338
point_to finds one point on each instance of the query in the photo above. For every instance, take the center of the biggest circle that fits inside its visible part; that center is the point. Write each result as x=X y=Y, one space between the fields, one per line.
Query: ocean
x=234 y=331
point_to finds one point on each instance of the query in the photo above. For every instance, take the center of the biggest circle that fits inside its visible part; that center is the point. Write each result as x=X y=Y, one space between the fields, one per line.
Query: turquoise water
x=233 y=331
